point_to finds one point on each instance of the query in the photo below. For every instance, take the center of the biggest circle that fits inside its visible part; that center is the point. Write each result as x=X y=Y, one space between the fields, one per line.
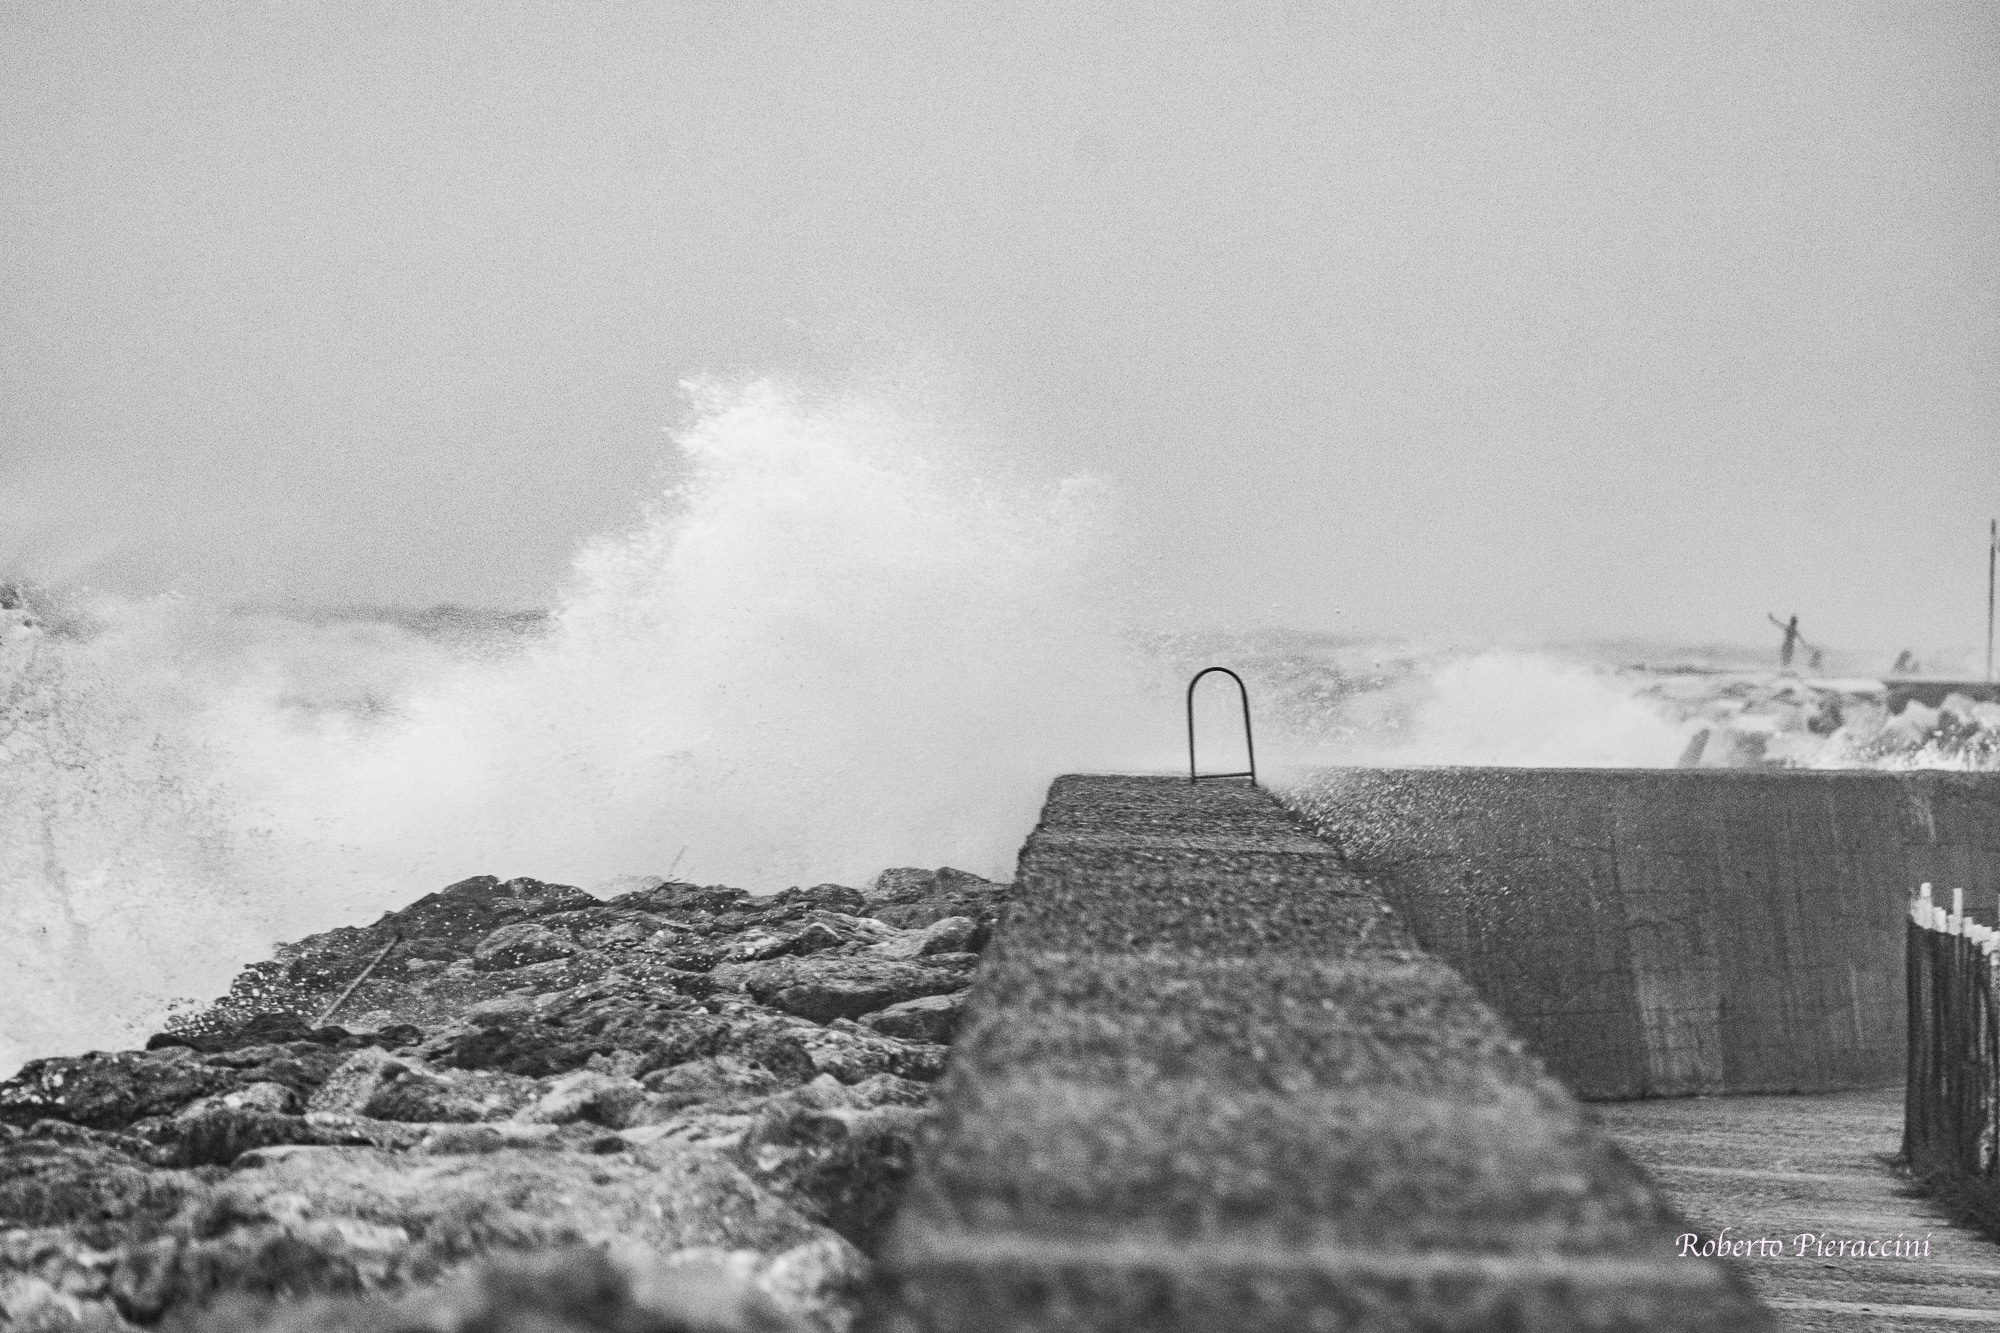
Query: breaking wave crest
x=825 y=651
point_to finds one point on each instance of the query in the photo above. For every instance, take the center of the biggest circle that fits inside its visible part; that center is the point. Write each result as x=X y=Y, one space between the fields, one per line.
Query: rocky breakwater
x=681 y=1108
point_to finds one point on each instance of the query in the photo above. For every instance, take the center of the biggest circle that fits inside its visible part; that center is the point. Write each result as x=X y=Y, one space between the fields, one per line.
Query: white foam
x=830 y=650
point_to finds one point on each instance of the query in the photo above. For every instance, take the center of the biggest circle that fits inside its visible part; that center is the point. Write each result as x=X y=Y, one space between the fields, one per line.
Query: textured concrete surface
x=1207 y=1082
x=1663 y=932
x=1786 y=1167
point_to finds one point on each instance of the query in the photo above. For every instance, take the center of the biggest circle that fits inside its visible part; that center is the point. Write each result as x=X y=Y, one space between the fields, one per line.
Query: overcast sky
x=1481 y=319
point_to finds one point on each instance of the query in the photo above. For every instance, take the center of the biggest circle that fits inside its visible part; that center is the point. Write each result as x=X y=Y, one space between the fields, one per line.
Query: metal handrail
x=1249 y=744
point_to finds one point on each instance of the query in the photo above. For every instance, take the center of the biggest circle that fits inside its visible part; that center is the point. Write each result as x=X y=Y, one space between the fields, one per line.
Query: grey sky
x=1484 y=319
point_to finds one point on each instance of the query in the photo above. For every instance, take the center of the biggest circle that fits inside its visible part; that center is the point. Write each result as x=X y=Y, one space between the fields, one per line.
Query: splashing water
x=1517 y=709
x=829 y=650
x=824 y=653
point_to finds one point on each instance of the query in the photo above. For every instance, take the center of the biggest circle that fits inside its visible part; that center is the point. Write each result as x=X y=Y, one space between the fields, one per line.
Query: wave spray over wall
x=825 y=651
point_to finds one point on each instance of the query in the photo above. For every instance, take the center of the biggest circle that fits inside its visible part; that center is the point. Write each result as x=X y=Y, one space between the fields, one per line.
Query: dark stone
x=218 y=1136
x=87 y=1182
x=911 y=899
x=929 y=1018
x=519 y=944
x=678 y=901
x=828 y=897
x=106 y=1091
x=662 y=1032
x=844 y=1165
x=826 y=988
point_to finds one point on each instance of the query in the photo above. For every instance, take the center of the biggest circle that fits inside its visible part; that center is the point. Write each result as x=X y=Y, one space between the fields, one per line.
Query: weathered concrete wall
x=1205 y=1081
x=1660 y=932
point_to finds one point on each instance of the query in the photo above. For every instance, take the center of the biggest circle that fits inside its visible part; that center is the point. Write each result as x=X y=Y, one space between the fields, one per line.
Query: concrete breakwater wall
x=1664 y=932
x=1206 y=1083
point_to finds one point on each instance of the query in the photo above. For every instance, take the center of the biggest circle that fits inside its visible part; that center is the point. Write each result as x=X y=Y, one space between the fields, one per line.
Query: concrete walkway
x=1781 y=1167
x=1206 y=1081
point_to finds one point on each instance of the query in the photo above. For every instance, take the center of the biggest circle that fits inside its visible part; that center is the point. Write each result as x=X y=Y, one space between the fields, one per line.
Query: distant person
x=1792 y=640
x=1906 y=664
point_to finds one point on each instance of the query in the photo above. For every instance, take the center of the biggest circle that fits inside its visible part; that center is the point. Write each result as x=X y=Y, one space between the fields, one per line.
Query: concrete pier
x=1207 y=1081
x=1861 y=1251
x=1665 y=932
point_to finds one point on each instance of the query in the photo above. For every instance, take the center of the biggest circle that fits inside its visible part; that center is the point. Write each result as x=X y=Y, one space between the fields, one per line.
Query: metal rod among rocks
x=355 y=984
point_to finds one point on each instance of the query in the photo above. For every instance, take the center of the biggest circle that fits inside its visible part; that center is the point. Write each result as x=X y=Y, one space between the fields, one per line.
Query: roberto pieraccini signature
x=1804 y=1245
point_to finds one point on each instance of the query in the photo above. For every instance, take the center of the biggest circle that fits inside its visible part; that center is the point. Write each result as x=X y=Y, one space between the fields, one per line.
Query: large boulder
x=828 y=897
x=52 y=1179
x=951 y=934
x=110 y=1091
x=519 y=944
x=928 y=1018
x=824 y=988
x=911 y=898
x=852 y=1054
x=844 y=1165
x=712 y=1078
x=601 y=1099
x=381 y=1086
x=643 y=1030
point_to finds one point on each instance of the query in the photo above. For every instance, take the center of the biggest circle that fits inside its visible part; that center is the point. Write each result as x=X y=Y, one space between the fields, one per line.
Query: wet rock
x=381 y=1086
x=825 y=988
x=820 y=1280
x=588 y=1095
x=852 y=1054
x=887 y=1090
x=520 y=944
x=447 y=1140
x=828 y=897
x=951 y=934
x=218 y=1135
x=318 y=1219
x=651 y=1030
x=910 y=898
x=810 y=938
x=50 y=1181
x=266 y=1029
x=857 y=929
x=355 y=1083
x=529 y=1069
x=107 y=1091
x=266 y=1097
x=576 y=1290
x=929 y=1018
x=709 y=1079
x=843 y=1165
x=678 y=901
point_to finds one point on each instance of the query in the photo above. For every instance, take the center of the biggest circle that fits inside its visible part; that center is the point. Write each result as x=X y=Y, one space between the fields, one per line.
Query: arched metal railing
x=1249 y=744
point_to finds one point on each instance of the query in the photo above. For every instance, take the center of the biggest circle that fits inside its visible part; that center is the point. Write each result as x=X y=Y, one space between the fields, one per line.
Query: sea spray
x=121 y=882
x=1320 y=701
x=829 y=648
x=1511 y=707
